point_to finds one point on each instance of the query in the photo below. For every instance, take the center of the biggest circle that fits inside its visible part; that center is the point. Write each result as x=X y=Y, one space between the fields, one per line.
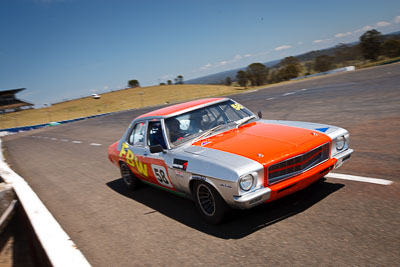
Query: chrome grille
x=298 y=164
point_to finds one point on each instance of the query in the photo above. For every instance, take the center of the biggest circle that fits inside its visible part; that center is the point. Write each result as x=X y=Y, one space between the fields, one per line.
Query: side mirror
x=156 y=149
x=259 y=114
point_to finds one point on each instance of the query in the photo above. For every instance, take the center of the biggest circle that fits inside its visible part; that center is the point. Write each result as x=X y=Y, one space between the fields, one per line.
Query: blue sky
x=63 y=49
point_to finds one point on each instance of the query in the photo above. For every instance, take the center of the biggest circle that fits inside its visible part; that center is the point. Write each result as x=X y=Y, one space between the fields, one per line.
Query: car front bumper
x=252 y=199
x=261 y=195
x=342 y=157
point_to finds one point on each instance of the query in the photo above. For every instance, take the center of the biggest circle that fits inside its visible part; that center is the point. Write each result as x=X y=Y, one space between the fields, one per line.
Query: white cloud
x=364 y=29
x=238 y=57
x=382 y=24
x=224 y=62
x=318 y=41
x=282 y=47
x=397 y=19
x=299 y=43
x=340 y=35
x=247 y=55
x=207 y=66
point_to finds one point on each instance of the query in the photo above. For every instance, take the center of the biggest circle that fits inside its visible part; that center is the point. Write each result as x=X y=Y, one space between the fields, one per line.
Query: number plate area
x=161 y=175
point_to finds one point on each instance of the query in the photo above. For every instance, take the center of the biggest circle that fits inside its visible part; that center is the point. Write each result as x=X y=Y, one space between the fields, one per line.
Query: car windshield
x=205 y=121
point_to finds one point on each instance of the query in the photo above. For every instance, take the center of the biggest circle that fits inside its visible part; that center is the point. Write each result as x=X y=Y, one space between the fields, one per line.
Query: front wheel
x=130 y=180
x=209 y=202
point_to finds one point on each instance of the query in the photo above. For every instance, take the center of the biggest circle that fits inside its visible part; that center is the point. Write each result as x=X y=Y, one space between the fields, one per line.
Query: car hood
x=265 y=143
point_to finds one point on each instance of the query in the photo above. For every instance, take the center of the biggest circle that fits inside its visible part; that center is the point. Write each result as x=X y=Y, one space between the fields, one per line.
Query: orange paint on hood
x=265 y=143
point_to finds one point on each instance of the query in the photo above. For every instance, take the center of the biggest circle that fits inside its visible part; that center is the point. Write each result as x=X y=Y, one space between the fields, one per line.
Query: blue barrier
x=38 y=126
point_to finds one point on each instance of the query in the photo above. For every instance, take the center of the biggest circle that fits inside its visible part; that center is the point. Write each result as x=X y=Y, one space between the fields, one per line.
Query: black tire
x=209 y=202
x=130 y=180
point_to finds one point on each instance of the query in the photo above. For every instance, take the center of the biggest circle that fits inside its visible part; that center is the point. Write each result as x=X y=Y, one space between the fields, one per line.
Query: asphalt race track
x=332 y=223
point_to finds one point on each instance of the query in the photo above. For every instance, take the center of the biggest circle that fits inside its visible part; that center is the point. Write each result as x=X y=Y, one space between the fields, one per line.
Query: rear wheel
x=209 y=202
x=130 y=180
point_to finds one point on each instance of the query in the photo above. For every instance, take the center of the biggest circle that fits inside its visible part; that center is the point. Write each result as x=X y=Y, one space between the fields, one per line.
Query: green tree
x=228 y=81
x=371 y=44
x=242 y=78
x=179 y=79
x=391 y=48
x=290 y=68
x=342 y=53
x=257 y=74
x=133 y=83
x=274 y=76
x=323 y=63
x=345 y=52
x=169 y=82
x=309 y=67
x=289 y=60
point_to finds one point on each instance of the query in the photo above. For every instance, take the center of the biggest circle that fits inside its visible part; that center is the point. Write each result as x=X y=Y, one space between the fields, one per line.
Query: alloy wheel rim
x=126 y=175
x=206 y=200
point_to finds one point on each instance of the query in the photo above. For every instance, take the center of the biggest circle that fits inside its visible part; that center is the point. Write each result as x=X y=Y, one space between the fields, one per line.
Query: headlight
x=340 y=143
x=246 y=182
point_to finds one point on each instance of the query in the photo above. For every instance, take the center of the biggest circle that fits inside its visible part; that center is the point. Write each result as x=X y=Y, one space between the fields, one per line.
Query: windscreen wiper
x=208 y=132
x=244 y=120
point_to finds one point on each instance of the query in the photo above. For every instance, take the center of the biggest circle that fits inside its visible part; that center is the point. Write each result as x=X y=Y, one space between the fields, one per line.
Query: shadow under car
x=238 y=223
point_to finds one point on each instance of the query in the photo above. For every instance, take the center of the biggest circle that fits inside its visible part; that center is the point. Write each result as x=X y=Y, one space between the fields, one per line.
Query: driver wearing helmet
x=197 y=124
x=174 y=130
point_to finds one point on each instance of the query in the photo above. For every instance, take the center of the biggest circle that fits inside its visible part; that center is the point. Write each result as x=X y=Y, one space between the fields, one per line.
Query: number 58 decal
x=161 y=175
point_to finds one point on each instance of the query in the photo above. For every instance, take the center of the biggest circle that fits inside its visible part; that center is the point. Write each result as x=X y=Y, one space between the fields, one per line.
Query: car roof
x=181 y=108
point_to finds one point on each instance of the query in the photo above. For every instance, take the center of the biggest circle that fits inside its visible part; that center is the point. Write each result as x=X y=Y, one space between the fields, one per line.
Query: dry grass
x=114 y=101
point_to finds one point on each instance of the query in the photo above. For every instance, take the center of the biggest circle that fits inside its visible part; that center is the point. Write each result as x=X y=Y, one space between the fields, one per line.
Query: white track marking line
x=53 y=138
x=286 y=94
x=64 y=140
x=271 y=98
x=292 y=93
x=77 y=142
x=95 y=144
x=359 y=178
x=250 y=91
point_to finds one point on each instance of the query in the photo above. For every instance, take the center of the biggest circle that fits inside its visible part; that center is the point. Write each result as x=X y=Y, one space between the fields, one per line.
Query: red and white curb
x=58 y=246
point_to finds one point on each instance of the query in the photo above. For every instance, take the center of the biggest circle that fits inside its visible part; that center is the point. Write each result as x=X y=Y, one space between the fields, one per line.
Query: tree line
x=371 y=47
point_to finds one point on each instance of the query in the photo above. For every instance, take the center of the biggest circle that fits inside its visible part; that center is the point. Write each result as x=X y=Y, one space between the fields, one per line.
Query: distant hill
x=220 y=77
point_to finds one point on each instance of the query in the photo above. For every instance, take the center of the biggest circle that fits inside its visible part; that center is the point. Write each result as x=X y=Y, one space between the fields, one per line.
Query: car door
x=158 y=169
x=134 y=151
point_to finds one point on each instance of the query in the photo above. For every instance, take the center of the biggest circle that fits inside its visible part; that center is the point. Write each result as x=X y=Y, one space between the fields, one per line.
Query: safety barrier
x=349 y=68
x=38 y=126
x=57 y=245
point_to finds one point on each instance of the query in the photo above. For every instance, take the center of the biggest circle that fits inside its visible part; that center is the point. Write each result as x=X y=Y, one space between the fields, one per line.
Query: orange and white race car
x=220 y=154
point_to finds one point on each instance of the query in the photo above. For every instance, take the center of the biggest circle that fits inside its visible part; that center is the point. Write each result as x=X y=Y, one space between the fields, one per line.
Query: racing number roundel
x=161 y=175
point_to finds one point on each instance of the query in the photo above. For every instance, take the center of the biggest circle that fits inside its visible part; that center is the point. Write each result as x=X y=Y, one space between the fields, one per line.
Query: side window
x=136 y=138
x=155 y=135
